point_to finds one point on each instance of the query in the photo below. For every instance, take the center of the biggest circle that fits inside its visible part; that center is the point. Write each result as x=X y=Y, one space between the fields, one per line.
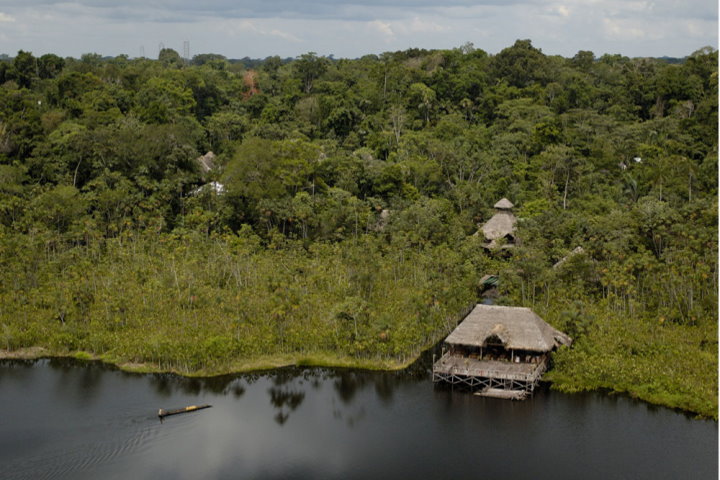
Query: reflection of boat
x=165 y=413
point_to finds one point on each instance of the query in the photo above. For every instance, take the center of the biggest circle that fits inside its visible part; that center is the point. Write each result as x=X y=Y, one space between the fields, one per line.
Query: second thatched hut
x=499 y=231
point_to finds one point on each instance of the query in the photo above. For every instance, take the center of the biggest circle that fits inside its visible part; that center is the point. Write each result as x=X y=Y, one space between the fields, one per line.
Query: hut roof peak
x=504 y=204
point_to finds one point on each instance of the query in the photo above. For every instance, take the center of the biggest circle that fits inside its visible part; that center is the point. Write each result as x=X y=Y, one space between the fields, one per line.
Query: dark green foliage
x=308 y=68
x=170 y=57
x=521 y=65
x=26 y=68
x=50 y=65
x=345 y=198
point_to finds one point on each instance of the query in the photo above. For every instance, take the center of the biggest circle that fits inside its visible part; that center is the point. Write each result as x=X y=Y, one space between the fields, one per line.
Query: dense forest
x=334 y=221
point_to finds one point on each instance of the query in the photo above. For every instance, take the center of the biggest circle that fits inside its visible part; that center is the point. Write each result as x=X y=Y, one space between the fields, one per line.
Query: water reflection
x=237 y=389
x=167 y=385
x=83 y=383
x=285 y=401
x=384 y=387
x=346 y=385
x=163 y=385
x=289 y=388
x=16 y=370
x=350 y=417
x=290 y=385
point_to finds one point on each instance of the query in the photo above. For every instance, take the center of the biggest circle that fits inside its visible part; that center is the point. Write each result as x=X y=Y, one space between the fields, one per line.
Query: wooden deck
x=458 y=365
x=490 y=378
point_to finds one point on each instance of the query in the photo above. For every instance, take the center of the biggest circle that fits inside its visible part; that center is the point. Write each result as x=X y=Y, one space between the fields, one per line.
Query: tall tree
x=309 y=67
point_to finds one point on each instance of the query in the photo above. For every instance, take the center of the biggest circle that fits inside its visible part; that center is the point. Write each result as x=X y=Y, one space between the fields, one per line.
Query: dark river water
x=64 y=419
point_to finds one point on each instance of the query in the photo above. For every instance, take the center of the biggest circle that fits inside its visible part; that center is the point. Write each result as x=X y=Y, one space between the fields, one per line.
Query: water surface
x=65 y=419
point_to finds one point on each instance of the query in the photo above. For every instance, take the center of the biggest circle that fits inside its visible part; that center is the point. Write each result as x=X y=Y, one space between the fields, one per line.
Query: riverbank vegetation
x=334 y=222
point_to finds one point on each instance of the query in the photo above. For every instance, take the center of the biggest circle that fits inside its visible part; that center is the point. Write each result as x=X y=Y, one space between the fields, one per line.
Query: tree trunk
x=77 y=167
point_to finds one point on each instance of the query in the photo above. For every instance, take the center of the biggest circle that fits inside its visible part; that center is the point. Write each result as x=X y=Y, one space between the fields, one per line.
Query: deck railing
x=456 y=368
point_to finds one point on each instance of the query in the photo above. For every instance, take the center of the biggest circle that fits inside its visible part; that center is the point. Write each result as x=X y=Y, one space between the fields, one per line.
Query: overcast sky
x=352 y=28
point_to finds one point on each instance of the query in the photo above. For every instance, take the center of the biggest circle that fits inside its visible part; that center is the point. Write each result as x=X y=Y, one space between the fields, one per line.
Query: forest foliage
x=338 y=219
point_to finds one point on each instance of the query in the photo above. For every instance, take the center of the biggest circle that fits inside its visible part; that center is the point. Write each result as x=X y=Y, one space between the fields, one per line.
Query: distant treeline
x=247 y=62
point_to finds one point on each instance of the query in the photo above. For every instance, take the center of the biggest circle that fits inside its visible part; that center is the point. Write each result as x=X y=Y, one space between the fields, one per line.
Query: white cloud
x=284 y=35
x=553 y=15
x=418 y=25
x=236 y=28
x=415 y=25
x=258 y=28
x=563 y=11
x=699 y=29
x=383 y=28
x=631 y=29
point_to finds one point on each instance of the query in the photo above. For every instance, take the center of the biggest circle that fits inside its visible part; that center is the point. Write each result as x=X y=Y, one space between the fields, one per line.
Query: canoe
x=192 y=408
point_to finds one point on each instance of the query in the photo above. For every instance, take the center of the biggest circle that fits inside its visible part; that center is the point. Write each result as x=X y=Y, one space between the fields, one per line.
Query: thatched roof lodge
x=515 y=328
x=498 y=351
x=502 y=225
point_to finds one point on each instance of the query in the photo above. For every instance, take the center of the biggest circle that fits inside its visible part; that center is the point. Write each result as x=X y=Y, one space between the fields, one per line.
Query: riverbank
x=195 y=306
x=570 y=375
x=268 y=362
x=670 y=365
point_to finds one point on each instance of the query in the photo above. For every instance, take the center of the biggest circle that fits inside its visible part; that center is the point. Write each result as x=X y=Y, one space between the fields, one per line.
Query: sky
x=353 y=28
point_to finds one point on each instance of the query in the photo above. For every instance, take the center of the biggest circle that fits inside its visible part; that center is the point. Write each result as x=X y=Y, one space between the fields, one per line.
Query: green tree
x=50 y=66
x=520 y=65
x=267 y=169
x=207 y=58
x=424 y=98
x=163 y=101
x=170 y=58
x=224 y=128
x=309 y=67
x=26 y=68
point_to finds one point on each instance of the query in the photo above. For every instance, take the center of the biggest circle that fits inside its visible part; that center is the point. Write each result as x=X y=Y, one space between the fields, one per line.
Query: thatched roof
x=501 y=224
x=206 y=162
x=504 y=204
x=382 y=221
x=518 y=328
